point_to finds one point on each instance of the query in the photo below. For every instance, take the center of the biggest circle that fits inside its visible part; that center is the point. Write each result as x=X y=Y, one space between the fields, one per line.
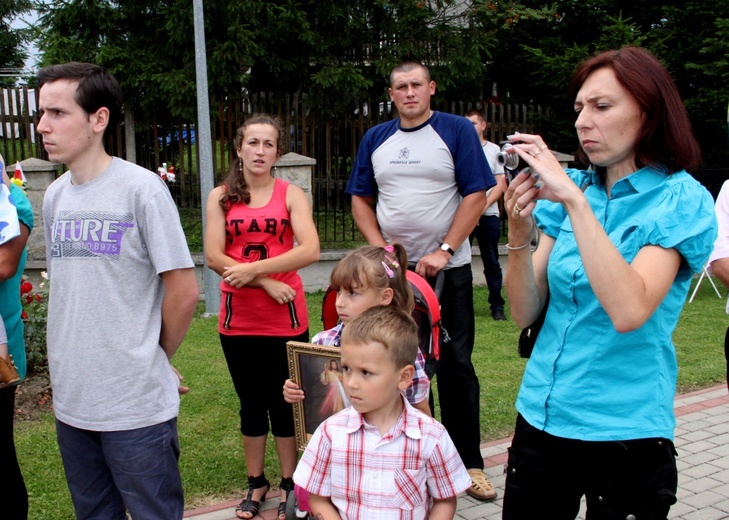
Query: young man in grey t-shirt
x=123 y=292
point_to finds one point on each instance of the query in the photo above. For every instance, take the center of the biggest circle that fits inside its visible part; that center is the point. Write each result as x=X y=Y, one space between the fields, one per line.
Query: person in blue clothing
x=618 y=246
x=9 y=230
x=421 y=180
x=13 y=255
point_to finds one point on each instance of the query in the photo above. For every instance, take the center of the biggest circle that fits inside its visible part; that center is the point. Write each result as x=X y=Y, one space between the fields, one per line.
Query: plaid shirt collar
x=331 y=337
x=408 y=422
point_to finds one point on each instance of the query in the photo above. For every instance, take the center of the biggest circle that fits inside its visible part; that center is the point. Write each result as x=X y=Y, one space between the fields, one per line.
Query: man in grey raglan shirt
x=122 y=296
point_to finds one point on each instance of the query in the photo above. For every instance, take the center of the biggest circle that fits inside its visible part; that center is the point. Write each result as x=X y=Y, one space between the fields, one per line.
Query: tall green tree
x=692 y=40
x=536 y=59
x=12 y=40
x=332 y=52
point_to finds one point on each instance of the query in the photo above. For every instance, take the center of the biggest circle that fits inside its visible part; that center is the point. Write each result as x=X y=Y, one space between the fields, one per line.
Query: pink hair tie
x=389 y=249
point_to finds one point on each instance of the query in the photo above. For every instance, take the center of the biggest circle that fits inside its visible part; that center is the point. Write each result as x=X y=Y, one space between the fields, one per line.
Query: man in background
x=488 y=230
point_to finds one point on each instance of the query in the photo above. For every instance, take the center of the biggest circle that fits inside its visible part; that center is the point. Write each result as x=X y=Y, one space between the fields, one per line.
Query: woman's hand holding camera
x=545 y=178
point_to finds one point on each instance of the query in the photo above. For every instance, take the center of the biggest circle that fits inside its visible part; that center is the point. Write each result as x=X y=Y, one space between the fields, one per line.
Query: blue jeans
x=546 y=476
x=109 y=473
x=488 y=233
x=458 y=388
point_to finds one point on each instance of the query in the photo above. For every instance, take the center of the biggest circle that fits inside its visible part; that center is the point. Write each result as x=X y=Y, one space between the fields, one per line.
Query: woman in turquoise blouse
x=618 y=246
x=13 y=494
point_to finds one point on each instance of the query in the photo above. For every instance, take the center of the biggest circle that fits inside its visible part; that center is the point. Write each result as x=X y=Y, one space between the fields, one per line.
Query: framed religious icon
x=318 y=372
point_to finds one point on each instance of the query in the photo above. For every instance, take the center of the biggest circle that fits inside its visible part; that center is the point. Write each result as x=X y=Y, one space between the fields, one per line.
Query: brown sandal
x=248 y=505
x=481 y=488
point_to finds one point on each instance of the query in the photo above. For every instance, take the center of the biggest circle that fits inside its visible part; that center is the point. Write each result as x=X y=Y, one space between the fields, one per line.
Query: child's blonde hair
x=379 y=268
x=388 y=326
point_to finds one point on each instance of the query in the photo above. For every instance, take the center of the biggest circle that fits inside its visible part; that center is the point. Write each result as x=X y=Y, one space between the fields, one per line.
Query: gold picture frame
x=324 y=395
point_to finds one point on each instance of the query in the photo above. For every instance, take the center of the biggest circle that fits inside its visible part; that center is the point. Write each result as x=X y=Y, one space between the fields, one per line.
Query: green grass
x=212 y=463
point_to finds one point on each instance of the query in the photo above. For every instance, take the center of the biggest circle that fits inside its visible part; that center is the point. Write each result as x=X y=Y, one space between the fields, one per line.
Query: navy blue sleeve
x=473 y=172
x=362 y=179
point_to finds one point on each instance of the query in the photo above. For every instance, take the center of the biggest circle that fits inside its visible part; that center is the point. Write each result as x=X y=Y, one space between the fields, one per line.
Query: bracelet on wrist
x=517 y=248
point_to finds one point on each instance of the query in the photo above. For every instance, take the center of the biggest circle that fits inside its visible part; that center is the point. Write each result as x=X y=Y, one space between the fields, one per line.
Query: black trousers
x=458 y=386
x=546 y=477
x=487 y=233
x=258 y=366
x=13 y=494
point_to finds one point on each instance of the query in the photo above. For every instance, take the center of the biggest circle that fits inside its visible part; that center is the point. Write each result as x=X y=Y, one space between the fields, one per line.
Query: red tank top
x=256 y=234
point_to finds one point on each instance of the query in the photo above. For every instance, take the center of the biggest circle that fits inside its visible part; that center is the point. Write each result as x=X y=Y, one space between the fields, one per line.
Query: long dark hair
x=236 y=188
x=665 y=139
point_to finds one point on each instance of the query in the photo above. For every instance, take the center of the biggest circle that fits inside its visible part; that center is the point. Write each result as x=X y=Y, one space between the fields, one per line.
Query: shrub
x=35 y=313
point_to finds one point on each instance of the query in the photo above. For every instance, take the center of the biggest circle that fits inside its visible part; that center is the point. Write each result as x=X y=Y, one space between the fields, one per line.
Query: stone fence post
x=297 y=169
x=39 y=175
x=563 y=158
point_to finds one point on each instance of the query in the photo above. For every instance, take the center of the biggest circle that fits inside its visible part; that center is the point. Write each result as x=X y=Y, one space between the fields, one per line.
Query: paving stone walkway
x=702 y=442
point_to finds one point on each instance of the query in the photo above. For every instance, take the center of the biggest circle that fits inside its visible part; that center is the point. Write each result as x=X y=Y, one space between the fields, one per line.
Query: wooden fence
x=331 y=141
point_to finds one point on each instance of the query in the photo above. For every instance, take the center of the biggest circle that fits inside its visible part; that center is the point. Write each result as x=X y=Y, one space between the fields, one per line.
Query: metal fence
x=331 y=141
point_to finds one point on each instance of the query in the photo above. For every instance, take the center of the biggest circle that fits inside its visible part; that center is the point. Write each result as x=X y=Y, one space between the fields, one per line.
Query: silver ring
x=228 y=279
x=537 y=152
x=543 y=147
x=517 y=209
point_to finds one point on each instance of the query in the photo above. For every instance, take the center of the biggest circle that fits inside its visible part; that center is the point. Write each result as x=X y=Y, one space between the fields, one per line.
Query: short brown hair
x=96 y=88
x=407 y=66
x=388 y=326
x=476 y=113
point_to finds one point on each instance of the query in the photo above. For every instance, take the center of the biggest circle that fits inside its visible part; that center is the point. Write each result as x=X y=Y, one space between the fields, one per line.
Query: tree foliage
x=334 y=53
x=338 y=53
x=536 y=58
x=12 y=40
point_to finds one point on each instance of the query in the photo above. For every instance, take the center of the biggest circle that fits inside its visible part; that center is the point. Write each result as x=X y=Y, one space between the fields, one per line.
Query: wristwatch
x=448 y=249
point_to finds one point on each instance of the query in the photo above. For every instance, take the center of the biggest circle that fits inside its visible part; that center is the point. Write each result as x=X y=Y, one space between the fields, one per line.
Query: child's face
x=353 y=302
x=371 y=379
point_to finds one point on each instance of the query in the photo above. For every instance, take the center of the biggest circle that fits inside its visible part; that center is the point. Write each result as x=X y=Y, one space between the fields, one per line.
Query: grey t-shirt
x=107 y=241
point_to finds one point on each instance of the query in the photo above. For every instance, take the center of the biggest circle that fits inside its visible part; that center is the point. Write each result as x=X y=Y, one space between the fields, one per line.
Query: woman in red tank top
x=252 y=222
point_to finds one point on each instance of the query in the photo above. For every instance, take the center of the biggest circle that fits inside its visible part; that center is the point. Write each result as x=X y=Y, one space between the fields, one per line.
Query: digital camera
x=511 y=162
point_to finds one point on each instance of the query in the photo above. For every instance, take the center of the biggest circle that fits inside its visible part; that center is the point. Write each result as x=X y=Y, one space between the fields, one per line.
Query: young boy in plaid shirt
x=381 y=458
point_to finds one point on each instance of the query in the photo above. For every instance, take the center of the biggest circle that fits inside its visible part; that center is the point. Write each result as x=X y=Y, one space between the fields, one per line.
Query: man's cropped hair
x=96 y=88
